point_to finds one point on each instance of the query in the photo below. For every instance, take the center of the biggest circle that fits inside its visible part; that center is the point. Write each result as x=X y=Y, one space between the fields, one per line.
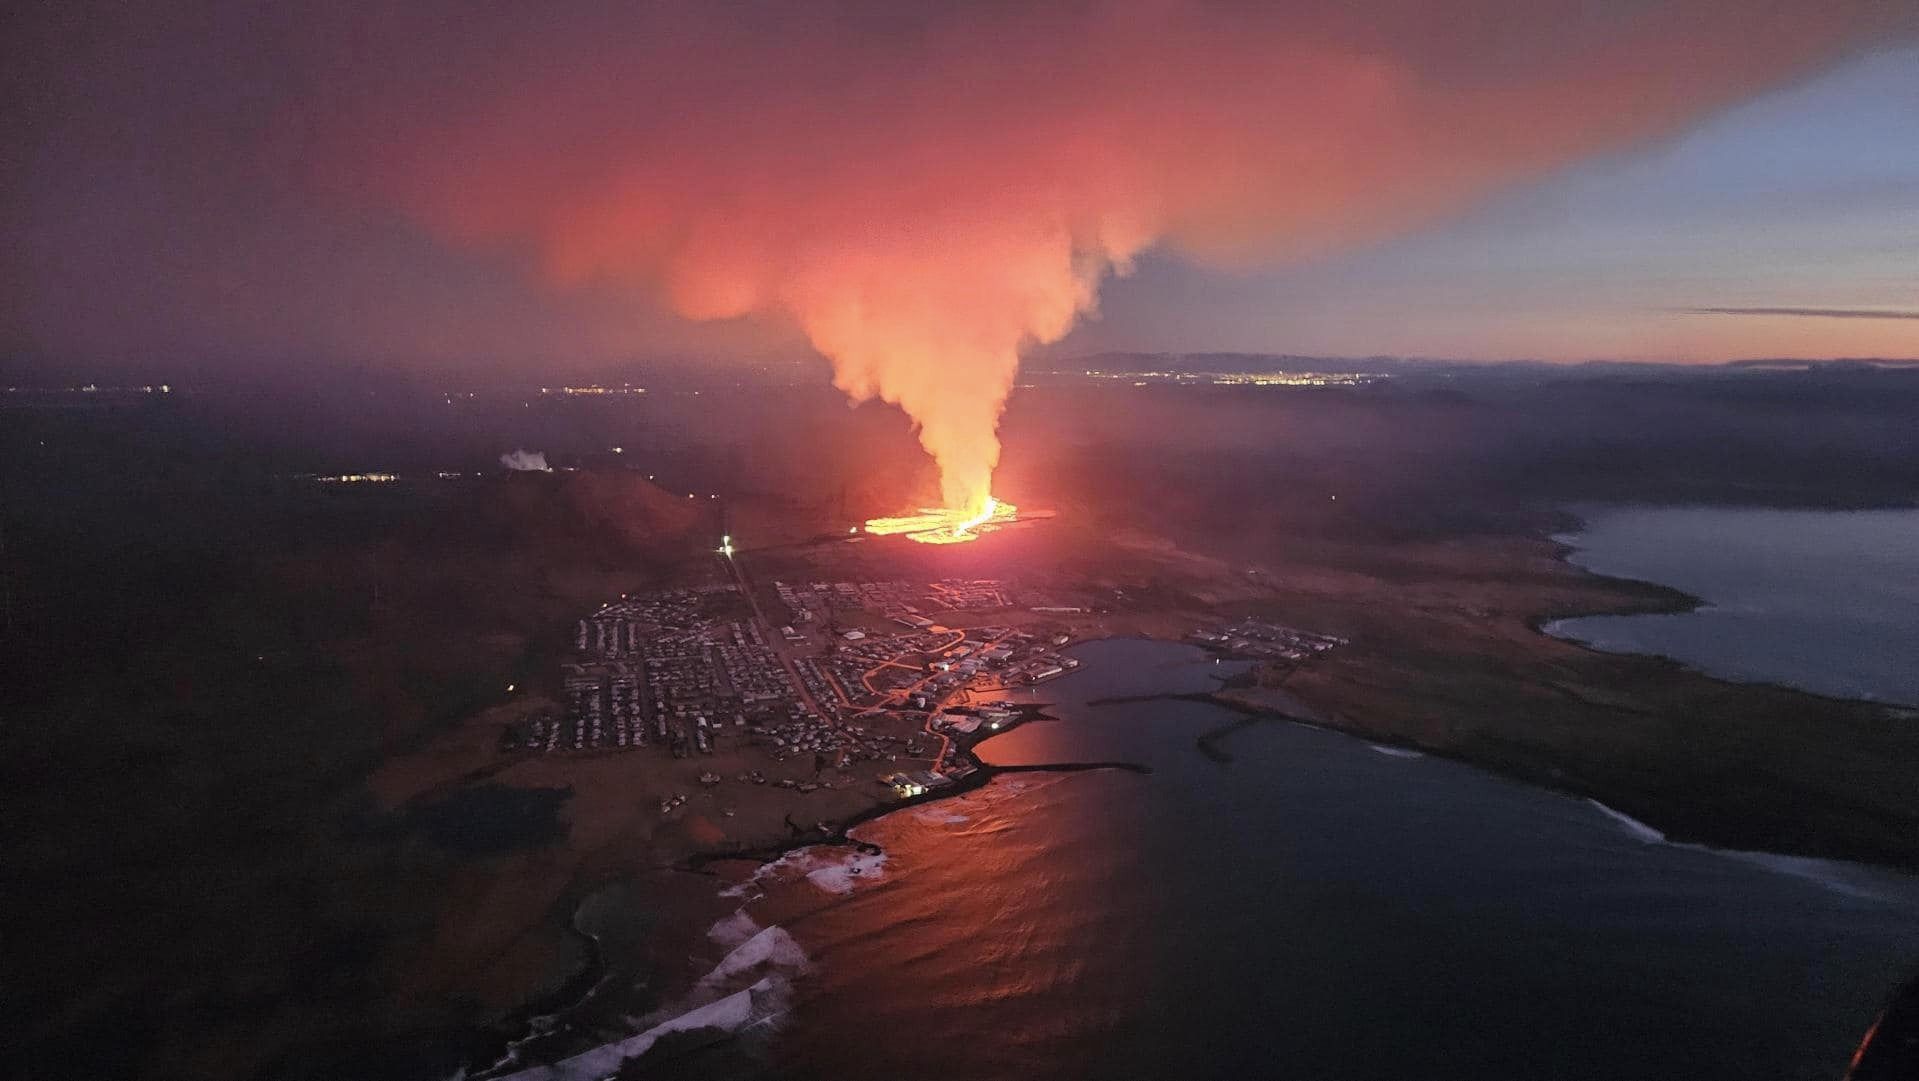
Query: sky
x=922 y=192
x=1748 y=235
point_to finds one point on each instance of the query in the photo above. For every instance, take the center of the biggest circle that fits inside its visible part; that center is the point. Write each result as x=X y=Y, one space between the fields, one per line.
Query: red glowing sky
x=914 y=190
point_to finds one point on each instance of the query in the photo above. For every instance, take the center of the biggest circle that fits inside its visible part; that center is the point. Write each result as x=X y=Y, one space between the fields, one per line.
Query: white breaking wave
x=1832 y=874
x=772 y=948
x=764 y=871
x=832 y=868
x=742 y=888
x=1633 y=825
x=839 y=876
x=1835 y=875
x=733 y=930
x=730 y=1014
x=771 y=954
x=1397 y=752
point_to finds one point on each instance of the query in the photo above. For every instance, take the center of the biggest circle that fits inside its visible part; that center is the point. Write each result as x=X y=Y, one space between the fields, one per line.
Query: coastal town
x=1255 y=639
x=878 y=686
x=860 y=682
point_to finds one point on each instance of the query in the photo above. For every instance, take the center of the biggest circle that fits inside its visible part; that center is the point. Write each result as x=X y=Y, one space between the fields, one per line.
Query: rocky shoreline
x=580 y=989
x=1675 y=821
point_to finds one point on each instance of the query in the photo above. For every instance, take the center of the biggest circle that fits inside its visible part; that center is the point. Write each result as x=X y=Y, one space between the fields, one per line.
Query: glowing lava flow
x=935 y=525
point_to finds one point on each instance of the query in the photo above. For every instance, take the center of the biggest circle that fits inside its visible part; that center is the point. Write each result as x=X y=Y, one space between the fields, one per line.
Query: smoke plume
x=526 y=461
x=926 y=191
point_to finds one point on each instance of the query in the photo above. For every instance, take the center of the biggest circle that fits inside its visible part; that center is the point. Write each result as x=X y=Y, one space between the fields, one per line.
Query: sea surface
x=1316 y=907
x=1826 y=601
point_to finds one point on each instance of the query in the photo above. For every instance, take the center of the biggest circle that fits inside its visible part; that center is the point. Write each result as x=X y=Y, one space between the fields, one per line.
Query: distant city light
x=1240 y=379
x=594 y=389
x=92 y=388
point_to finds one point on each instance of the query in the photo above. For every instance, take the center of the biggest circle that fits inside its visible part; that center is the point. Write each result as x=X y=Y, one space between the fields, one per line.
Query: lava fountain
x=939 y=525
x=924 y=196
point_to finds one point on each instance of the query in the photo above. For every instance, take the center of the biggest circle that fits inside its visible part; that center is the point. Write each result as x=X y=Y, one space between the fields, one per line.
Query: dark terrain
x=209 y=653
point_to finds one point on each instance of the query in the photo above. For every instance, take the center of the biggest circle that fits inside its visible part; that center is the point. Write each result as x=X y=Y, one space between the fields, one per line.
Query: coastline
x=1697 y=832
x=1838 y=873
x=579 y=990
x=1678 y=602
x=1667 y=600
x=1674 y=819
x=842 y=990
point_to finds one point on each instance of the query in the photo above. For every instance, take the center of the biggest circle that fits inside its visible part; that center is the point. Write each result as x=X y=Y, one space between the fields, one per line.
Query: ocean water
x=1314 y=908
x=1827 y=601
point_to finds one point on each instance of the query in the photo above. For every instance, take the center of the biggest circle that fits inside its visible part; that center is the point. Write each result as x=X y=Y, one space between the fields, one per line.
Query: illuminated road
x=732 y=562
x=891 y=699
x=934 y=709
x=894 y=698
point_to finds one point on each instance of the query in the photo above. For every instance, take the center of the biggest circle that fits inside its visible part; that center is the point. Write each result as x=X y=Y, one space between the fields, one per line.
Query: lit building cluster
x=1242 y=379
x=592 y=389
x=94 y=388
x=1293 y=379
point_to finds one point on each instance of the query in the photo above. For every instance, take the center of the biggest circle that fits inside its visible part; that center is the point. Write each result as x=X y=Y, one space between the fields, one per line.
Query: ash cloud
x=925 y=194
x=922 y=190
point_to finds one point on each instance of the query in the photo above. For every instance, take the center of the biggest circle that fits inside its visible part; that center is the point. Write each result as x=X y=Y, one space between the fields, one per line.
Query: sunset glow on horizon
x=923 y=194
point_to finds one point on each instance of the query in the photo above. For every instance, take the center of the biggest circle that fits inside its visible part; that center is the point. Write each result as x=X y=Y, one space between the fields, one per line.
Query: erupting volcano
x=936 y=525
x=922 y=193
